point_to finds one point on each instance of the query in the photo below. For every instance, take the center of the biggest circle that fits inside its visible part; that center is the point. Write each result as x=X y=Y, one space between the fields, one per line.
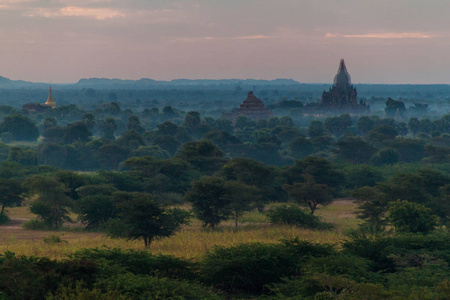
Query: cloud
x=384 y=35
x=215 y=38
x=74 y=11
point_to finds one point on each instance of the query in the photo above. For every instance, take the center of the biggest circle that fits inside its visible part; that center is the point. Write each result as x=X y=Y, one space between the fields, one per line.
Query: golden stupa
x=50 y=102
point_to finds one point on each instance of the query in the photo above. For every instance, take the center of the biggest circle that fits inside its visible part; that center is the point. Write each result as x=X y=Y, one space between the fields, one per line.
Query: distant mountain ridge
x=91 y=82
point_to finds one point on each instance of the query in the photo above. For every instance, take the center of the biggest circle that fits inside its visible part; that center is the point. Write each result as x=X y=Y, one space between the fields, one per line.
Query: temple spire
x=342 y=78
x=50 y=102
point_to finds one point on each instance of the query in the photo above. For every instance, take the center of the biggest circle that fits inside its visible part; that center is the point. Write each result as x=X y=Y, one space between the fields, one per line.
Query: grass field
x=192 y=241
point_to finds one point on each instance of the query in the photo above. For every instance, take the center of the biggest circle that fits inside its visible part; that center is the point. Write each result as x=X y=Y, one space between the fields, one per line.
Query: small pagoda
x=50 y=102
x=39 y=107
x=251 y=108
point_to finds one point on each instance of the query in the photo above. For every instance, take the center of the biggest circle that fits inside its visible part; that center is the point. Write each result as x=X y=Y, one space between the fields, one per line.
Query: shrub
x=35 y=224
x=54 y=239
x=150 y=287
x=248 y=268
x=386 y=156
x=411 y=217
x=295 y=216
x=6 y=137
x=33 y=278
x=141 y=262
x=408 y=250
x=4 y=219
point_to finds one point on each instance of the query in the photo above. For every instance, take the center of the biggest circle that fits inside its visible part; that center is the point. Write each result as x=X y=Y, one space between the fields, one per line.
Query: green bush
x=33 y=278
x=149 y=287
x=35 y=224
x=141 y=262
x=54 y=239
x=248 y=268
x=411 y=217
x=388 y=253
x=295 y=216
x=4 y=219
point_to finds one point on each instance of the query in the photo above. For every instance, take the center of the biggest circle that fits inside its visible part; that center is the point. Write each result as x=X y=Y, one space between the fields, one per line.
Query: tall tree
x=147 y=219
x=310 y=194
x=11 y=193
x=51 y=204
x=210 y=201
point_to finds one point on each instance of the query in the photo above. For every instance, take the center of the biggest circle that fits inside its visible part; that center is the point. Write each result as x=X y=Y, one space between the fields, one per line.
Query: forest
x=298 y=206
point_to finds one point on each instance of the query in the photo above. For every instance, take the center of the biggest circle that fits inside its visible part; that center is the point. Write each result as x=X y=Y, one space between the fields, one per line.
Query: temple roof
x=342 y=78
x=252 y=101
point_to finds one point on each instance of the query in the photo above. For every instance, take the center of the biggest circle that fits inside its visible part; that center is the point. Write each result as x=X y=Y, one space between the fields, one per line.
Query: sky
x=382 y=41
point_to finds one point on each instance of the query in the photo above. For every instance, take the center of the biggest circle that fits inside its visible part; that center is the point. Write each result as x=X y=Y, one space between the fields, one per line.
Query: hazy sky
x=382 y=41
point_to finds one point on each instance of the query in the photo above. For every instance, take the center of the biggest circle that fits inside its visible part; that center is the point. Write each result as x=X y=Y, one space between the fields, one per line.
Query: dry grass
x=191 y=241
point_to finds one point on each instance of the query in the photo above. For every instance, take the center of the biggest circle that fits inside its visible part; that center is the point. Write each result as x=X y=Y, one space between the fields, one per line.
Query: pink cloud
x=384 y=35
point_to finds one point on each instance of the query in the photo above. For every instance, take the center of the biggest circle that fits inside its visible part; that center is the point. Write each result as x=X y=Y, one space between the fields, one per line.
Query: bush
x=4 y=219
x=248 y=268
x=295 y=216
x=411 y=217
x=149 y=287
x=116 y=228
x=54 y=239
x=35 y=224
x=141 y=262
x=386 y=156
x=33 y=278
x=6 y=137
x=408 y=250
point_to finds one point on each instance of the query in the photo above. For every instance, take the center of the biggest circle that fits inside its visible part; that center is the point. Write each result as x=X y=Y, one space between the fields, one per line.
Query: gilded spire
x=50 y=102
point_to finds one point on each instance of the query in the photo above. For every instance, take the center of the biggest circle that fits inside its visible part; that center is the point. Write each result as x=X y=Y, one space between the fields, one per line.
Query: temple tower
x=342 y=79
x=342 y=93
x=50 y=102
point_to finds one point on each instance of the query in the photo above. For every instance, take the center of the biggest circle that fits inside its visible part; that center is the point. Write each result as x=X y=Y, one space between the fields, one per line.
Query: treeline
x=383 y=267
x=74 y=139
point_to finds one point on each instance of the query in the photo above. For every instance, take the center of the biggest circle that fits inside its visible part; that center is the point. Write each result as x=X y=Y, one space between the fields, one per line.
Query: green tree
x=89 y=121
x=203 y=155
x=316 y=129
x=210 y=200
x=21 y=128
x=414 y=125
x=255 y=174
x=372 y=207
x=77 y=132
x=135 y=124
x=51 y=204
x=354 y=149
x=241 y=197
x=109 y=127
x=147 y=219
x=386 y=156
x=310 y=194
x=11 y=193
x=337 y=126
x=192 y=122
x=365 y=124
x=392 y=106
x=300 y=147
x=411 y=217
x=110 y=155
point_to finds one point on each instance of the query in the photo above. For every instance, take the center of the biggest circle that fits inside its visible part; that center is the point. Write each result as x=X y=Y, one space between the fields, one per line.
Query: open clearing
x=192 y=241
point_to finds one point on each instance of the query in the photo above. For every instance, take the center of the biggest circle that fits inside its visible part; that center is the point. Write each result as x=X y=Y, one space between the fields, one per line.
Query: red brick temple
x=252 y=108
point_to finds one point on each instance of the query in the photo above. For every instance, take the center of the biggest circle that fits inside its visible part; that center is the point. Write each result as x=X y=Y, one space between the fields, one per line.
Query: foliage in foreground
x=406 y=266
